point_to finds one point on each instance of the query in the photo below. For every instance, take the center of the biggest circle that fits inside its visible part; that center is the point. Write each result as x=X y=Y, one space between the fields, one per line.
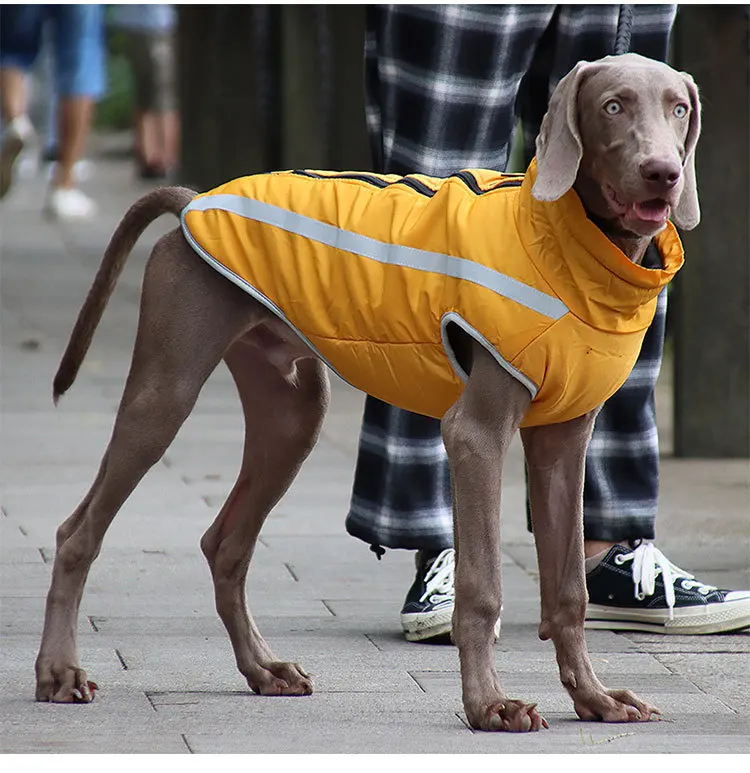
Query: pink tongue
x=651 y=211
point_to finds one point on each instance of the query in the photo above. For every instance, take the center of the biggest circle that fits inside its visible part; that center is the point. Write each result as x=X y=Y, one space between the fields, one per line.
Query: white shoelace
x=648 y=563
x=439 y=578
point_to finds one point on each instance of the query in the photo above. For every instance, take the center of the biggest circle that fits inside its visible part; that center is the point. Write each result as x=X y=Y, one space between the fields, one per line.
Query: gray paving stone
x=724 y=675
x=737 y=642
x=88 y=742
x=354 y=738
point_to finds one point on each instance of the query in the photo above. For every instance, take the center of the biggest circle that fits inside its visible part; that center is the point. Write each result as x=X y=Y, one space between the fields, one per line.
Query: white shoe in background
x=65 y=204
x=17 y=135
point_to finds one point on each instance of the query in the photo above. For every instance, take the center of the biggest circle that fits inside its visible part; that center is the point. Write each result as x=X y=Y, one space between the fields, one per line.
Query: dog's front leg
x=477 y=431
x=555 y=456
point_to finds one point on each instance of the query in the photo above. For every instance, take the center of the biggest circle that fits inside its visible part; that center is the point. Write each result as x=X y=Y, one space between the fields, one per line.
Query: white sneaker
x=17 y=134
x=69 y=204
x=82 y=172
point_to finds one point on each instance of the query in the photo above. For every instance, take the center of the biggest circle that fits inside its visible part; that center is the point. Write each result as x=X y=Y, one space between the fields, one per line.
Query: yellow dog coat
x=372 y=271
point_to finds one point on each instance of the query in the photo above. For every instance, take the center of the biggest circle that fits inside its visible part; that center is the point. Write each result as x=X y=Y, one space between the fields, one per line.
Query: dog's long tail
x=135 y=222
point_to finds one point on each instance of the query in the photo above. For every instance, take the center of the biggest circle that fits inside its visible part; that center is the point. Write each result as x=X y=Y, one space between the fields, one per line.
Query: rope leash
x=624 y=30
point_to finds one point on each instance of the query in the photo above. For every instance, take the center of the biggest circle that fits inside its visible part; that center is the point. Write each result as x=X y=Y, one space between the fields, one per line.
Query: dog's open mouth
x=653 y=211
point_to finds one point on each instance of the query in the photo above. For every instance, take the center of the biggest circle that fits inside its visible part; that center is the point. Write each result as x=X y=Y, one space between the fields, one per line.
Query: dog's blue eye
x=680 y=111
x=613 y=107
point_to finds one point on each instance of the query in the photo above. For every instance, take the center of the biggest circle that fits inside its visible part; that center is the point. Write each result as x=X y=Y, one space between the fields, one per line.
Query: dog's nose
x=664 y=172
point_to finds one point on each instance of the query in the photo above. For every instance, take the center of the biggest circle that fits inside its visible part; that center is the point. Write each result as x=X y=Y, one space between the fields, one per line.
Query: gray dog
x=442 y=296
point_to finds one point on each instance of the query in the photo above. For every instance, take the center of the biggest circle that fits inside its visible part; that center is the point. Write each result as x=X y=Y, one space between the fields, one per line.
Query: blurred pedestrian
x=77 y=33
x=148 y=32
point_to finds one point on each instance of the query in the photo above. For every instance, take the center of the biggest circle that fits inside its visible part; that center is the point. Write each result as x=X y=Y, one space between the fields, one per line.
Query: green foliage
x=115 y=109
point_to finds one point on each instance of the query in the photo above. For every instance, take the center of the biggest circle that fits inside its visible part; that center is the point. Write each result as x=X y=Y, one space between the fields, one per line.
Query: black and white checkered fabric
x=445 y=87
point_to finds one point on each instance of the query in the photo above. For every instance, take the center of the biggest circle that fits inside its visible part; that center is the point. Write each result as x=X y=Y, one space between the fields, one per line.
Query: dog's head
x=623 y=131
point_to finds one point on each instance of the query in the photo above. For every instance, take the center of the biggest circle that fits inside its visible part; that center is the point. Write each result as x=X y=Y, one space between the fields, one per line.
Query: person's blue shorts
x=77 y=33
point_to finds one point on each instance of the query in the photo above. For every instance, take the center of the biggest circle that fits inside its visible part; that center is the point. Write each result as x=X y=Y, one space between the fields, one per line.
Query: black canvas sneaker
x=639 y=589
x=428 y=609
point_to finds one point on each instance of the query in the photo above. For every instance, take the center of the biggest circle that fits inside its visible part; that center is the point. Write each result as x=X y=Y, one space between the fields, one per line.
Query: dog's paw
x=279 y=678
x=63 y=684
x=614 y=706
x=510 y=716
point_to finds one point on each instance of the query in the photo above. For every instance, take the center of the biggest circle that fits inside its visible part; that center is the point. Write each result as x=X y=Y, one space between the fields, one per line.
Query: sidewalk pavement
x=148 y=631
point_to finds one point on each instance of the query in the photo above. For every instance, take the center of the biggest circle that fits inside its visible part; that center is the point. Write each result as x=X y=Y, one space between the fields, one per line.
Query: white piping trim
x=457 y=319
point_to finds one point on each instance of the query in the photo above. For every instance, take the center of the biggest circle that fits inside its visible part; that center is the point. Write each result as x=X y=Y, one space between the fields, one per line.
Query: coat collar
x=591 y=275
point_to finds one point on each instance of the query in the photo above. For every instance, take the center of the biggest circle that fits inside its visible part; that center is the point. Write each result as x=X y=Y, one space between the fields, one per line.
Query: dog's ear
x=558 y=146
x=687 y=213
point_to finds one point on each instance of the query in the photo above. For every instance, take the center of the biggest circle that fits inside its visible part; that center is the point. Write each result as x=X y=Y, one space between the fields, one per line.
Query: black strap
x=624 y=30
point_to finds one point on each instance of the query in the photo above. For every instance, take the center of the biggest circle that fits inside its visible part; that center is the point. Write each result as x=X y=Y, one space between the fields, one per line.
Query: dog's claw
x=279 y=678
x=512 y=716
x=86 y=692
x=63 y=684
x=615 y=706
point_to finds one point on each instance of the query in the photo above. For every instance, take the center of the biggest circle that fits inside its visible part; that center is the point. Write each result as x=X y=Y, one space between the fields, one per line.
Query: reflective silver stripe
x=394 y=254
x=453 y=318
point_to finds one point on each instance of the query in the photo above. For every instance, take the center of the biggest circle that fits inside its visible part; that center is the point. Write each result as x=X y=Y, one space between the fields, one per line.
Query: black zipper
x=365 y=178
x=468 y=179
x=378 y=182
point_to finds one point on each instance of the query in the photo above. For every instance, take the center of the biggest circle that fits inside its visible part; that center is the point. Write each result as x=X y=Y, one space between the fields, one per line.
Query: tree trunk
x=270 y=87
x=711 y=308
x=228 y=88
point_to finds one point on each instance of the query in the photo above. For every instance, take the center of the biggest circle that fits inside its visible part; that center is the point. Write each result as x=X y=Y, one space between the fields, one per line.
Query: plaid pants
x=445 y=86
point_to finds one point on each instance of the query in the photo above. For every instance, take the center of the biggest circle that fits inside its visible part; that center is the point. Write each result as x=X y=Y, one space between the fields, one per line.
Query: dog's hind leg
x=283 y=416
x=189 y=318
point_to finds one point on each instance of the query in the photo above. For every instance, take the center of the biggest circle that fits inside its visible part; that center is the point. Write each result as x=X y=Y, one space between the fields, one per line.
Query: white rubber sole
x=725 y=617
x=432 y=625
